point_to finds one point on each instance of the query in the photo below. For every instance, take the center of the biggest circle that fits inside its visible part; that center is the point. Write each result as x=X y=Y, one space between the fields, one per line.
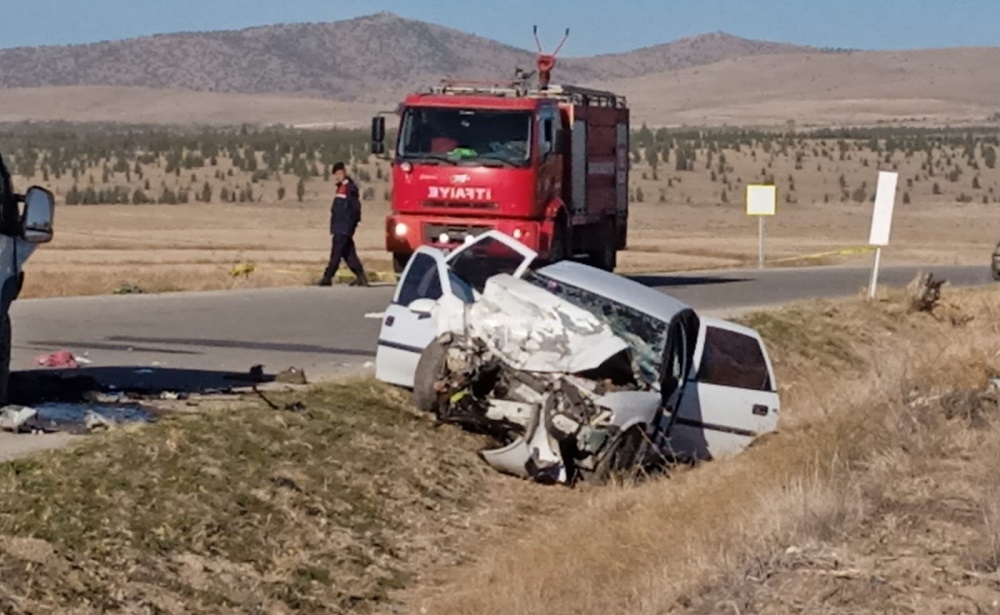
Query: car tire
x=5 y=343
x=622 y=457
x=430 y=368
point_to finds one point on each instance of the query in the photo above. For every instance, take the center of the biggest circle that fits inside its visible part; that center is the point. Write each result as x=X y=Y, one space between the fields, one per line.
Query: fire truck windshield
x=467 y=137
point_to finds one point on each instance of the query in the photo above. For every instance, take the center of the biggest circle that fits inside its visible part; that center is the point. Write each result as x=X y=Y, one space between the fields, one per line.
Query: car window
x=460 y=289
x=486 y=258
x=731 y=359
x=673 y=366
x=422 y=281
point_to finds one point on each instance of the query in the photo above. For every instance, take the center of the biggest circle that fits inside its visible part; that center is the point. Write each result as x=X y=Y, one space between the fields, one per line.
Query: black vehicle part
x=623 y=457
x=430 y=369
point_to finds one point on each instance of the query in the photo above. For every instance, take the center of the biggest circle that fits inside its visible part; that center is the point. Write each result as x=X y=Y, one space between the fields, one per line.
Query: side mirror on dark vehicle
x=378 y=135
x=39 y=209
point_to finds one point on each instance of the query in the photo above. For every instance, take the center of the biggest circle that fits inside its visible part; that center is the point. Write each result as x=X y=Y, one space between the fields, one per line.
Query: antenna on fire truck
x=545 y=62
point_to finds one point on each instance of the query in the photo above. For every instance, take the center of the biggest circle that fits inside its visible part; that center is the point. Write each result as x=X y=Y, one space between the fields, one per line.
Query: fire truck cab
x=547 y=165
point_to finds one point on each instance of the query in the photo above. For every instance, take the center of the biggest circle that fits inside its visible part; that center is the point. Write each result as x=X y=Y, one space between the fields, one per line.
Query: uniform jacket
x=345 y=212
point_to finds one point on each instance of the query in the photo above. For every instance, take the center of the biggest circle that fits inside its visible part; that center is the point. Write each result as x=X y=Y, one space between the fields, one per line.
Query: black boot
x=325 y=281
x=361 y=280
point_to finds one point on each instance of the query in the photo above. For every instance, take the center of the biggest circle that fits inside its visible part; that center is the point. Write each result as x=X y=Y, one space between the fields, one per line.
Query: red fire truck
x=546 y=164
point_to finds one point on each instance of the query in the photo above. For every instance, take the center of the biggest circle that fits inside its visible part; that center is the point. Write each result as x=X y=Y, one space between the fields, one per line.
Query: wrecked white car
x=580 y=373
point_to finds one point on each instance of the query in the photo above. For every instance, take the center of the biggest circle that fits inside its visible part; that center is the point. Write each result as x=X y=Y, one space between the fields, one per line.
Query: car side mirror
x=378 y=135
x=422 y=307
x=39 y=208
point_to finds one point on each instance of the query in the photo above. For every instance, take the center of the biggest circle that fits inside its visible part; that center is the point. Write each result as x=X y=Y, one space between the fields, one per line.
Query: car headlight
x=401 y=229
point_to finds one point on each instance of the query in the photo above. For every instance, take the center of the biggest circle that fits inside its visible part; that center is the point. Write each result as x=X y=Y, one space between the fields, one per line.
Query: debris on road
x=257 y=373
x=62 y=359
x=292 y=375
x=14 y=418
x=94 y=421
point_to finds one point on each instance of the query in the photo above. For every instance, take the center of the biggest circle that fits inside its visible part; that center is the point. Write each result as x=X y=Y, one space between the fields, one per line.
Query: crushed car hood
x=535 y=331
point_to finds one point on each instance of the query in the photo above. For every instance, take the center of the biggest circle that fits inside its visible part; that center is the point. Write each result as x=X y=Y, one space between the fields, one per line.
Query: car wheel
x=430 y=368
x=621 y=462
x=4 y=358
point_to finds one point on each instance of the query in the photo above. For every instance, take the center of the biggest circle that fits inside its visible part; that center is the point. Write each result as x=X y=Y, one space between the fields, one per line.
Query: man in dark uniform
x=345 y=214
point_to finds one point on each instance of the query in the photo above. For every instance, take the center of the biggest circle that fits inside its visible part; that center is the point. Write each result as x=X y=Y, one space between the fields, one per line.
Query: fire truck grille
x=459 y=205
x=456 y=232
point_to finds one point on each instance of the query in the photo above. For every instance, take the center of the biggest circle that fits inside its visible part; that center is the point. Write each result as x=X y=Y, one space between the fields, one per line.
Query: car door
x=410 y=322
x=408 y=325
x=730 y=398
x=487 y=255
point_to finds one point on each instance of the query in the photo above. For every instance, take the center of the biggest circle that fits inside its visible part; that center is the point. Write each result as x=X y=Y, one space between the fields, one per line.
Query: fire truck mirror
x=378 y=134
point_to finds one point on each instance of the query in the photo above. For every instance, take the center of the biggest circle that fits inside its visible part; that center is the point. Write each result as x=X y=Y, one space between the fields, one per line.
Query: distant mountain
x=368 y=59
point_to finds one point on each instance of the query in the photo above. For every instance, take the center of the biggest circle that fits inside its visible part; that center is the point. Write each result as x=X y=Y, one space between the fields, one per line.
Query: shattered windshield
x=466 y=136
x=645 y=334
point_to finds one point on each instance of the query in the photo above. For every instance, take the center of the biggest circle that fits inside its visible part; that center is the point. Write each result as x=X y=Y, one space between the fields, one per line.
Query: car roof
x=618 y=288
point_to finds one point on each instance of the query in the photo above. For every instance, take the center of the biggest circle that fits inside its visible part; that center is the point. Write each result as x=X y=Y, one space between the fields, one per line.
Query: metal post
x=874 y=282
x=760 y=242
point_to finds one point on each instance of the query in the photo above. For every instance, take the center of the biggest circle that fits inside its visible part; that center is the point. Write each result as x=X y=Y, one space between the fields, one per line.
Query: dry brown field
x=681 y=220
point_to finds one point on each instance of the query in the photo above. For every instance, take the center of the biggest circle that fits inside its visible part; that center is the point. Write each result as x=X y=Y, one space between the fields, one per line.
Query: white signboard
x=761 y=200
x=885 y=198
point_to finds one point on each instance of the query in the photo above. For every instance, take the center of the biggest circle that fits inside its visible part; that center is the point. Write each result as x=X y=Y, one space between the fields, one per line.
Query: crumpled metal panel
x=535 y=331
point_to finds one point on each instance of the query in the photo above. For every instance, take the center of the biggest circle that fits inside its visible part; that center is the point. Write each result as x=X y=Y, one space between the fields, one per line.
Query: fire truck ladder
x=519 y=88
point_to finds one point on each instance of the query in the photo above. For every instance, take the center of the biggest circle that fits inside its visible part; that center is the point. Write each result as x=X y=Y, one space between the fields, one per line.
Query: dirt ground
x=680 y=220
x=877 y=495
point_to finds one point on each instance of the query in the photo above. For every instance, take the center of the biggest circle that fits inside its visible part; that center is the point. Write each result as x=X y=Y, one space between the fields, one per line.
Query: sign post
x=885 y=199
x=762 y=200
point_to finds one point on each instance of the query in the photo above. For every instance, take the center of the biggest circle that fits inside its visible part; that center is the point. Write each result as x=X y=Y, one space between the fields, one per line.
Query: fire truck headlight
x=401 y=229
x=518 y=233
x=443 y=238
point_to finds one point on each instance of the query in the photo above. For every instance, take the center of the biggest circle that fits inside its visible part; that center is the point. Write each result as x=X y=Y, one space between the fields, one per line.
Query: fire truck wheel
x=560 y=248
x=606 y=258
x=399 y=262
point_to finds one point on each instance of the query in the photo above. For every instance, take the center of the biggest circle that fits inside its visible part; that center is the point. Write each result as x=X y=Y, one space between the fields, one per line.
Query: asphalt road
x=195 y=340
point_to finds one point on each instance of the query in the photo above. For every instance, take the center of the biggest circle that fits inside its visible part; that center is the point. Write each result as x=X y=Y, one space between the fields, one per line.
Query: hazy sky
x=598 y=26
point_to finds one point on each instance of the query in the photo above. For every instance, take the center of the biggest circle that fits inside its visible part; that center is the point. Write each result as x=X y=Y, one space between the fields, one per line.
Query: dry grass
x=244 y=510
x=194 y=247
x=130 y=105
x=674 y=544
x=941 y=86
x=357 y=502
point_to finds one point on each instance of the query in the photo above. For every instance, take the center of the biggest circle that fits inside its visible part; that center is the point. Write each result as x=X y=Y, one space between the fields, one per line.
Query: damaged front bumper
x=537 y=373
